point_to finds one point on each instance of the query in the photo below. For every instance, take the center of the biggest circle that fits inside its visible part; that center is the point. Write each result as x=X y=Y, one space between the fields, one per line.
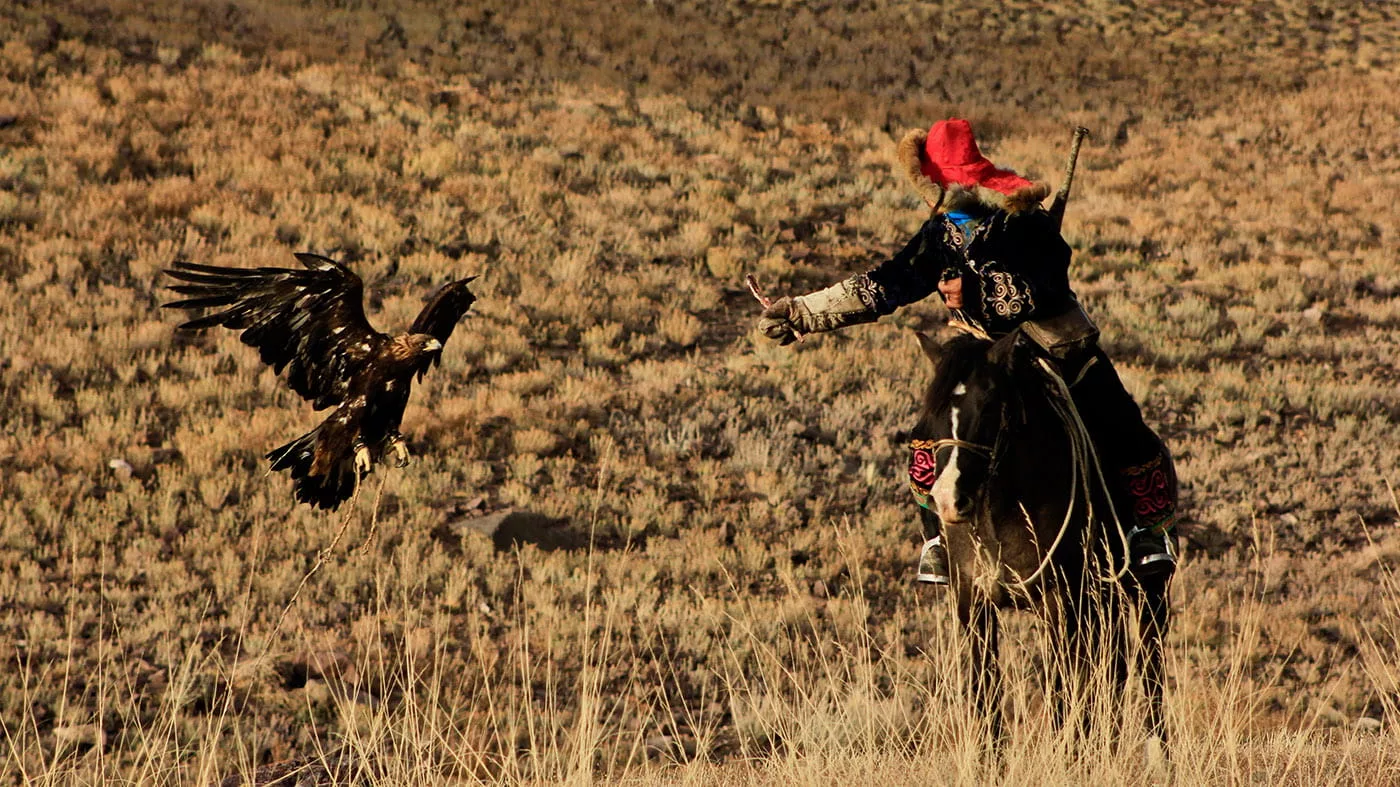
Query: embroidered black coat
x=1014 y=267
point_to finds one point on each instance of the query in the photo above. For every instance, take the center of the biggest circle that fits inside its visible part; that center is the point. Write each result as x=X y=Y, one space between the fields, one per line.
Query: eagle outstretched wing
x=310 y=322
x=441 y=315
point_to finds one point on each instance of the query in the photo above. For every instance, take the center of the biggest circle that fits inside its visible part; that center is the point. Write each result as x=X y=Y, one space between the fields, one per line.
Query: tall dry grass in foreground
x=821 y=703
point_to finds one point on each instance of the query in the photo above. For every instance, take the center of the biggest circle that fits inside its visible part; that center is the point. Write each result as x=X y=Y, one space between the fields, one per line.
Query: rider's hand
x=777 y=321
x=951 y=290
x=786 y=320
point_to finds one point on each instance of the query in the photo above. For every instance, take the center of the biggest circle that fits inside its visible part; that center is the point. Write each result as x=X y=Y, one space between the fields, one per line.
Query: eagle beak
x=432 y=346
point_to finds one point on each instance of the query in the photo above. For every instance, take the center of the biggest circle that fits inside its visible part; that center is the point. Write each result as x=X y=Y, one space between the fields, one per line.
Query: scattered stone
x=1368 y=725
x=149 y=677
x=485 y=524
x=333 y=664
x=338 y=766
x=508 y=527
x=1330 y=716
x=318 y=693
x=253 y=671
x=680 y=747
x=121 y=468
x=1226 y=436
x=80 y=734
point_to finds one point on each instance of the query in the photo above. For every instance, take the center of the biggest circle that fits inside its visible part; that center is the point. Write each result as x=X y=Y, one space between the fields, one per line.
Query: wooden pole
x=1057 y=205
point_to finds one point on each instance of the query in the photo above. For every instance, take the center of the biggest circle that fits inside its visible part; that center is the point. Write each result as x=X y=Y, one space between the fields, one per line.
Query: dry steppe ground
x=707 y=574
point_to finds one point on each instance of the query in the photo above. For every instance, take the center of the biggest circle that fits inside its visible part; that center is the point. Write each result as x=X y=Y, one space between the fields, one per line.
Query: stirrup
x=1150 y=554
x=933 y=563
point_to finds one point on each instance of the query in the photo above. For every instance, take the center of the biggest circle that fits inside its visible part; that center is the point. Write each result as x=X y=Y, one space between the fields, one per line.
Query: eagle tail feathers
x=325 y=491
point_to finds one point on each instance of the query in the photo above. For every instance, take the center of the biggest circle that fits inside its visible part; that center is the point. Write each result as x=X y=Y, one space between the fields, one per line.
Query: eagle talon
x=363 y=461
x=400 y=449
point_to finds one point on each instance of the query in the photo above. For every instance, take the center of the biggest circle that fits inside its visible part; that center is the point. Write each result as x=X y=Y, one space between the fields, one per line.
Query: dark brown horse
x=1030 y=523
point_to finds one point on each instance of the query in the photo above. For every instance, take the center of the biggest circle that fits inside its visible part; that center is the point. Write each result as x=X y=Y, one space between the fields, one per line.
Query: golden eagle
x=312 y=323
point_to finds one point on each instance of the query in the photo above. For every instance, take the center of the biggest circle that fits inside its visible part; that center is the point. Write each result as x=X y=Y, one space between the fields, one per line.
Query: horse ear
x=931 y=346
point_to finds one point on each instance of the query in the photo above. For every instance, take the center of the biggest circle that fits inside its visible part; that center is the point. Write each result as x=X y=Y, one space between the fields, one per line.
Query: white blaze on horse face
x=945 y=490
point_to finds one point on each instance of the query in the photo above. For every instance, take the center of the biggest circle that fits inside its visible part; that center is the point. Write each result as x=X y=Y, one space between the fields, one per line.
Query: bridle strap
x=950 y=442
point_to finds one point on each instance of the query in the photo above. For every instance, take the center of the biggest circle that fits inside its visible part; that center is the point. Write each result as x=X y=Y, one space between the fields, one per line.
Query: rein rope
x=959 y=320
x=1085 y=468
x=1083 y=455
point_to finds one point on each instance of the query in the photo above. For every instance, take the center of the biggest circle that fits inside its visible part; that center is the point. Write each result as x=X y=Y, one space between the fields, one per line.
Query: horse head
x=977 y=394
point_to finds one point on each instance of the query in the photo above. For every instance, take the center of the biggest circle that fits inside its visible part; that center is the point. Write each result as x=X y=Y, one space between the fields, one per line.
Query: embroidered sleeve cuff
x=845 y=303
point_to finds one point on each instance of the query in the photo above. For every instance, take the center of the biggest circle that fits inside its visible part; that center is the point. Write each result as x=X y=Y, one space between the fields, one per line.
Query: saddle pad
x=923 y=470
x=1153 y=489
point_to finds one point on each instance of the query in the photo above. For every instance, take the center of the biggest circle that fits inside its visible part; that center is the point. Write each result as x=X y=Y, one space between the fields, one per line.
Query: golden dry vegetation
x=707 y=574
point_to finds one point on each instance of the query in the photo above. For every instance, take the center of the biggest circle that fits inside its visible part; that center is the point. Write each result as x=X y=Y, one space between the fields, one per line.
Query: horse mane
x=956 y=360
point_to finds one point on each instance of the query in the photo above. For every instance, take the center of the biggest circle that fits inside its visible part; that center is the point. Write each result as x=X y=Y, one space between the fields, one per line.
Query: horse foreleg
x=1112 y=650
x=1089 y=664
x=1154 y=619
x=1062 y=664
x=980 y=622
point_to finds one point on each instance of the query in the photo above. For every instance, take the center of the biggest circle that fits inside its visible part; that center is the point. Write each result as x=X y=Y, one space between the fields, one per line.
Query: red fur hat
x=951 y=156
x=947 y=157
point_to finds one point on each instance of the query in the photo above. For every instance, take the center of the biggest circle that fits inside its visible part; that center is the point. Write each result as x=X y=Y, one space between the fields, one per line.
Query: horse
x=1029 y=522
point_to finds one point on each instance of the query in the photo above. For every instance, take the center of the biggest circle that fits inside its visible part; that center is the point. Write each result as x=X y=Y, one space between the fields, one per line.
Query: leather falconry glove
x=835 y=307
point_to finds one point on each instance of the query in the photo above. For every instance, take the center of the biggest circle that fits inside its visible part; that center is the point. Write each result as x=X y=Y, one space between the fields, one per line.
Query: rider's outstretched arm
x=908 y=276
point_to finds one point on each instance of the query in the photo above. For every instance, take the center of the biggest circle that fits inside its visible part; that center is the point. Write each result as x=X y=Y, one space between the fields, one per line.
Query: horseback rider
x=998 y=261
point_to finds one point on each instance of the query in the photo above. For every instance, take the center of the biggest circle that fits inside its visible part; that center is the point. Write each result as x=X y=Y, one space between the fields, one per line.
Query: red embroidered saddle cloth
x=1152 y=488
x=923 y=470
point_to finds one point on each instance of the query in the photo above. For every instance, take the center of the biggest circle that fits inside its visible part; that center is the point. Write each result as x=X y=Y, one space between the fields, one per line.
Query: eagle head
x=413 y=347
